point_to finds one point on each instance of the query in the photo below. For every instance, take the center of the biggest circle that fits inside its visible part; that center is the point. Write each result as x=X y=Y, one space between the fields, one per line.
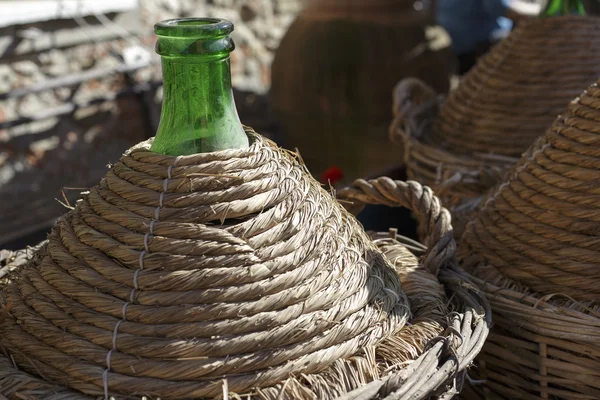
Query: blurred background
x=80 y=83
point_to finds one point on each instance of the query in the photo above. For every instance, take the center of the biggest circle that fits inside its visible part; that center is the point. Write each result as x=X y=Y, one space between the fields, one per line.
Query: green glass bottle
x=198 y=112
x=563 y=7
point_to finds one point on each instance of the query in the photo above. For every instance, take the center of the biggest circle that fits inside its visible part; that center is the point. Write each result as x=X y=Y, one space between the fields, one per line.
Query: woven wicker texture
x=428 y=304
x=238 y=270
x=463 y=146
x=427 y=297
x=534 y=249
x=225 y=272
x=541 y=347
x=516 y=90
x=437 y=254
x=540 y=228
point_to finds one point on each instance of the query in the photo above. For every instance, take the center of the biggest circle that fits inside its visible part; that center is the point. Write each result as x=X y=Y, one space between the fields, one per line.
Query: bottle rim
x=194 y=27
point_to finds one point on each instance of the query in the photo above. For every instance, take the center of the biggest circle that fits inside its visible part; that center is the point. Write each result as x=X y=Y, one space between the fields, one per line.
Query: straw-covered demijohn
x=535 y=250
x=208 y=261
x=464 y=146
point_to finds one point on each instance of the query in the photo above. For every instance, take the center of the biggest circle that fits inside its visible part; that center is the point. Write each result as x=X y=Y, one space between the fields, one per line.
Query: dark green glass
x=563 y=7
x=198 y=111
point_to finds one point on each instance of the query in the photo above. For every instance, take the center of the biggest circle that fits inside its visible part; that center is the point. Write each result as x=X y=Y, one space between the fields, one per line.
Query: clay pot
x=334 y=72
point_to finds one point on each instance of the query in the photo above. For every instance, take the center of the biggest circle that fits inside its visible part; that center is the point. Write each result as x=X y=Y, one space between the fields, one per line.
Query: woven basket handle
x=415 y=107
x=435 y=228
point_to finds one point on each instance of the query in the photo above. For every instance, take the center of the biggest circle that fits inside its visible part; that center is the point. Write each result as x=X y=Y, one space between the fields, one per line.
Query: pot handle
x=435 y=228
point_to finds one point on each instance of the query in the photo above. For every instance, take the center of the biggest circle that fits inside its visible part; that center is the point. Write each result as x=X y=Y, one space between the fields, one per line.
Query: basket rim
x=523 y=298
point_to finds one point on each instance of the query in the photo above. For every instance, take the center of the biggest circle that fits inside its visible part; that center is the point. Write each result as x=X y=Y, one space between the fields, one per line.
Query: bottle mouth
x=199 y=28
x=183 y=37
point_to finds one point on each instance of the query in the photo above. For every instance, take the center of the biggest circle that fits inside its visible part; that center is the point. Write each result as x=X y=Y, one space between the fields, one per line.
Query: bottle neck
x=198 y=113
x=198 y=105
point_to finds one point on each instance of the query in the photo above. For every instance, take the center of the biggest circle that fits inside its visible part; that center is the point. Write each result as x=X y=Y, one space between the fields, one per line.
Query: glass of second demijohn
x=563 y=7
x=198 y=111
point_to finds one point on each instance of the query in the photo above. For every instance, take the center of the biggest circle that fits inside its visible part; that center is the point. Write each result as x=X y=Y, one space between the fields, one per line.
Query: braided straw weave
x=226 y=272
x=535 y=248
x=437 y=255
x=463 y=146
x=541 y=347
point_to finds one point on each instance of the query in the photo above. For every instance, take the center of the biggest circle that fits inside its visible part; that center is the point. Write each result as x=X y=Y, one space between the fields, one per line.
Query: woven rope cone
x=463 y=146
x=533 y=249
x=520 y=86
x=422 y=288
x=174 y=273
x=540 y=228
x=436 y=366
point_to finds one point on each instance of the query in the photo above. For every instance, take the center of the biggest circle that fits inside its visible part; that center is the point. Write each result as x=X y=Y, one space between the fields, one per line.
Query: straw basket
x=233 y=274
x=534 y=249
x=461 y=147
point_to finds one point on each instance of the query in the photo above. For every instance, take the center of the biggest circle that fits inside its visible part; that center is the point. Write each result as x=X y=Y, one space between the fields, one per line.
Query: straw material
x=463 y=146
x=516 y=90
x=541 y=347
x=540 y=228
x=174 y=272
x=438 y=256
x=228 y=272
x=426 y=295
x=534 y=249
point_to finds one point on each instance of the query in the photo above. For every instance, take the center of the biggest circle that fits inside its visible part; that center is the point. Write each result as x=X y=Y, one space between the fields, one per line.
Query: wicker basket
x=234 y=274
x=497 y=111
x=534 y=249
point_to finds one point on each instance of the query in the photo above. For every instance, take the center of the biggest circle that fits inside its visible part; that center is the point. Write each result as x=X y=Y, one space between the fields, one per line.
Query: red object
x=331 y=175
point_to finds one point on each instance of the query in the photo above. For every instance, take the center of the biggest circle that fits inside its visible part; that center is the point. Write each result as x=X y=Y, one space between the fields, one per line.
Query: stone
x=247 y=13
